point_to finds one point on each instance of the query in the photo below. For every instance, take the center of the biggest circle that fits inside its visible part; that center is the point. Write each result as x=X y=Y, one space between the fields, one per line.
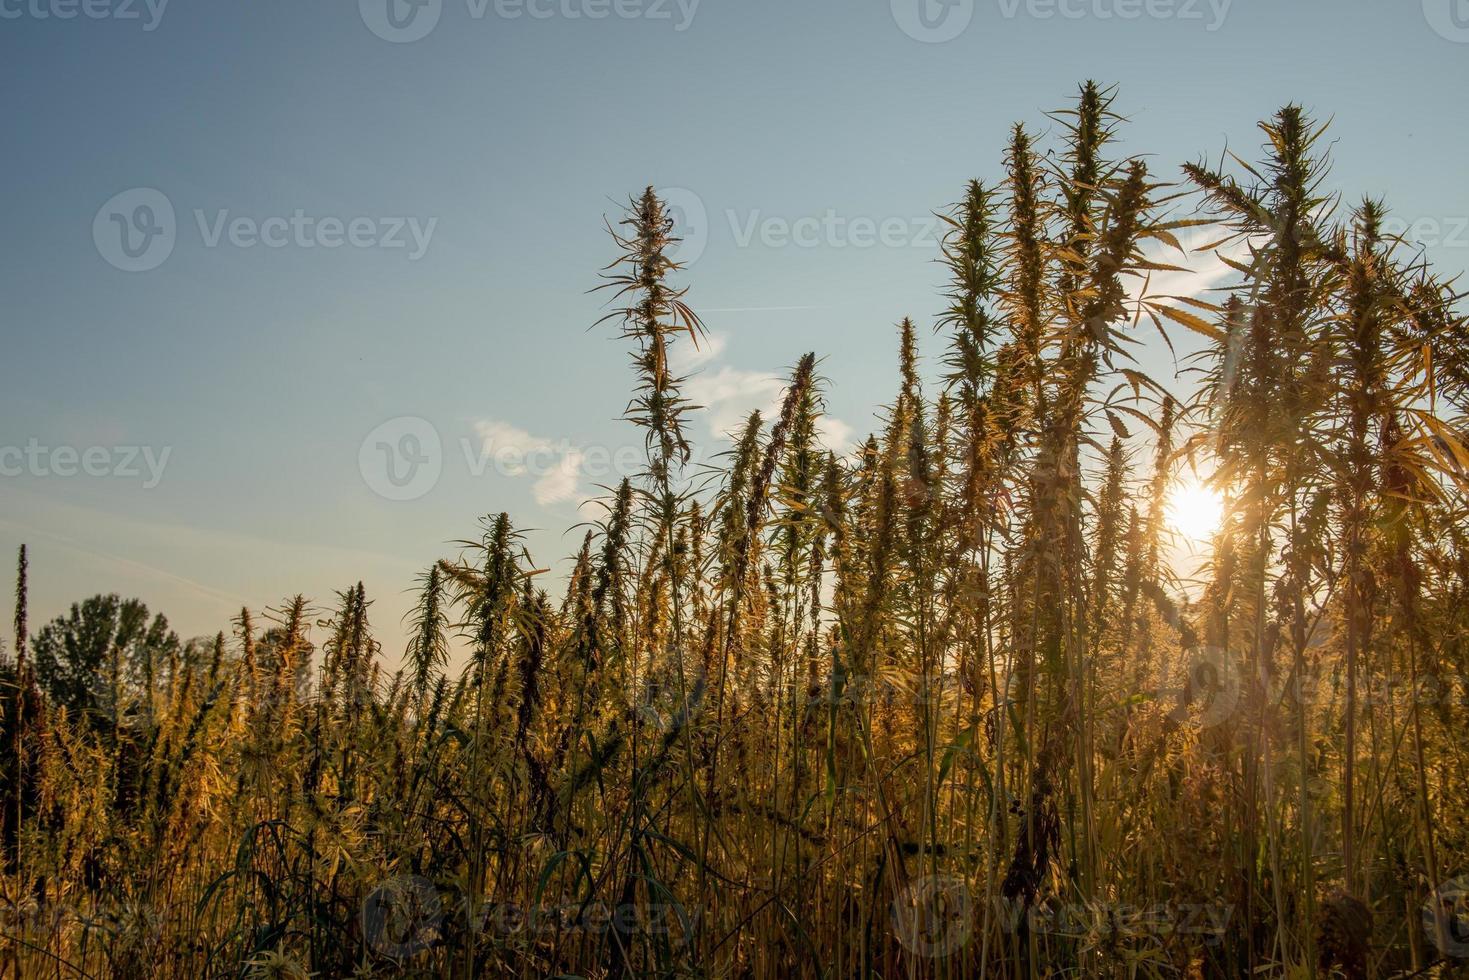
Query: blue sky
x=434 y=208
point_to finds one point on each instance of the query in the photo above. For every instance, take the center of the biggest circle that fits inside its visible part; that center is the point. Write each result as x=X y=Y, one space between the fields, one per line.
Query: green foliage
x=104 y=658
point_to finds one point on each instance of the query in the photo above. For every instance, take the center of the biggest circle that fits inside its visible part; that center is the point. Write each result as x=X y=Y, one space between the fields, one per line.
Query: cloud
x=834 y=433
x=1202 y=272
x=509 y=446
x=555 y=464
x=729 y=394
x=560 y=484
x=685 y=358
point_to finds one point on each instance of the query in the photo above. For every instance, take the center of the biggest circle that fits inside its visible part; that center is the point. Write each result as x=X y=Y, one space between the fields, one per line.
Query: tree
x=104 y=658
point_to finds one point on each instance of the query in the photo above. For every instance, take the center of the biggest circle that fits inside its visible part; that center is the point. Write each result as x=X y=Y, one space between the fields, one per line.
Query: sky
x=295 y=293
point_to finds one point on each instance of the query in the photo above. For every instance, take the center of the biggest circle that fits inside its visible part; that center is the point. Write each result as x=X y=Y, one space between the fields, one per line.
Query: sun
x=1195 y=512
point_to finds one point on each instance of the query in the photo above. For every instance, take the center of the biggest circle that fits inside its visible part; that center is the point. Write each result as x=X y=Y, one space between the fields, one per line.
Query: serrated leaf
x=1195 y=323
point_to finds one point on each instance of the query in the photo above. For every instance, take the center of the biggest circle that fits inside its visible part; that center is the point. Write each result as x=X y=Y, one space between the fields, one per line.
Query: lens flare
x=1195 y=512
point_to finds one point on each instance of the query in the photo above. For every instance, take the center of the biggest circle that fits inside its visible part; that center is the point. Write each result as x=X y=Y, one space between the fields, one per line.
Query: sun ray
x=1195 y=511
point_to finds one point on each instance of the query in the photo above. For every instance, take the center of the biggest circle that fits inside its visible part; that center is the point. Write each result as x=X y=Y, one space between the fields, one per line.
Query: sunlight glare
x=1195 y=511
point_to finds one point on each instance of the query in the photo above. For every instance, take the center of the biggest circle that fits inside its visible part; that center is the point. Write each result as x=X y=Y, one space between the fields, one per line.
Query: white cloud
x=1202 y=271
x=835 y=434
x=729 y=394
x=555 y=464
x=510 y=447
x=560 y=484
x=685 y=358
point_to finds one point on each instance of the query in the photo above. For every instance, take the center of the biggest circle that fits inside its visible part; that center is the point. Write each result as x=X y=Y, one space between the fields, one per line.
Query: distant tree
x=104 y=658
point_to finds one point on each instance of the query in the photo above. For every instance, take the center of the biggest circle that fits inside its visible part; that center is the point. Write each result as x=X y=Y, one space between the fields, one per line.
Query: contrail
x=761 y=309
